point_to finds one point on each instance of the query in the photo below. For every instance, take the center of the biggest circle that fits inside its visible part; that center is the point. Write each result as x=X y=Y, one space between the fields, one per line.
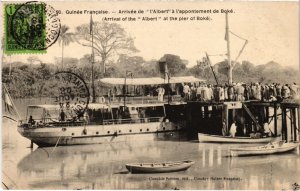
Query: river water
x=102 y=166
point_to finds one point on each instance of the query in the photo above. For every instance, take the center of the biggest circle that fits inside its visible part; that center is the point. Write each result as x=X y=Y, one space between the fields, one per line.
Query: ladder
x=251 y=116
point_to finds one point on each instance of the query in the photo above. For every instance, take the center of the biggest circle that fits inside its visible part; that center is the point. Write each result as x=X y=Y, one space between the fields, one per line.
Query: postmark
x=30 y=28
x=71 y=93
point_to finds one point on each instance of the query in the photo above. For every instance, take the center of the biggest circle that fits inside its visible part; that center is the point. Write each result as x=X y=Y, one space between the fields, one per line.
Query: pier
x=216 y=118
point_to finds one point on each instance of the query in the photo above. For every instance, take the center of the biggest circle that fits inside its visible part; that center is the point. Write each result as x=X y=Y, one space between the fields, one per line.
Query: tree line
x=27 y=79
x=113 y=54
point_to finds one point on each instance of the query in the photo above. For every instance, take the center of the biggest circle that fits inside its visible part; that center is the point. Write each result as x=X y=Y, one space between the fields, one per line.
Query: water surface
x=102 y=166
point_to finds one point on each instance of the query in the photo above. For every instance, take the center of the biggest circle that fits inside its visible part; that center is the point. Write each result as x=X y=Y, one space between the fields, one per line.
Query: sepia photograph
x=150 y=95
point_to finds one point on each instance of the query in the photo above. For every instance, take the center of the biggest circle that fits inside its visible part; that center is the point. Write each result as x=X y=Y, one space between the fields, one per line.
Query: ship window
x=97 y=132
x=72 y=133
x=130 y=130
x=141 y=130
x=164 y=128
x=147 y=129
x=108 y=132
x=119 y=131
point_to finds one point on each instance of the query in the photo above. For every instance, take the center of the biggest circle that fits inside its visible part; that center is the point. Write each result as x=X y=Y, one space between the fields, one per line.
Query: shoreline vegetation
x=31 y=80
x=112 y=56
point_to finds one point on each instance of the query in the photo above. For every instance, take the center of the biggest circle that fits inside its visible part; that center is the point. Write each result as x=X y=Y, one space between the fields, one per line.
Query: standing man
x=161 y=92
x=186 y=91
x=62 y=115
x=233 y=129
x=198 y=92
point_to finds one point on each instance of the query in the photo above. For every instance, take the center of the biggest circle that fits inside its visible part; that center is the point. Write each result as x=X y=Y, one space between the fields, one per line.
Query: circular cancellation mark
x=71 y=93
x=35 y=26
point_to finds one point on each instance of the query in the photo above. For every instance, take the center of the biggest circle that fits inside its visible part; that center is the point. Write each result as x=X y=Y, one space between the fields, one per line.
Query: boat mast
x=228 y=51
x=93 y=61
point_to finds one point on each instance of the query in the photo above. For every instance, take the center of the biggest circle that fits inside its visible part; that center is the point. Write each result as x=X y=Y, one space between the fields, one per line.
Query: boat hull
x=135 y=168
x=96 y=134
x=263 y=151
x=220 y=139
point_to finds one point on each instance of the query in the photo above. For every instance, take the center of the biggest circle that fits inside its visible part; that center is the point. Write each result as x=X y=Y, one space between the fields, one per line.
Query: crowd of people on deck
x=209 y=93
x=239 y=92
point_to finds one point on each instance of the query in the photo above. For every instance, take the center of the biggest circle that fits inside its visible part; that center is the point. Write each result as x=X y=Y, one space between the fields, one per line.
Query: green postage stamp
x=30 y=27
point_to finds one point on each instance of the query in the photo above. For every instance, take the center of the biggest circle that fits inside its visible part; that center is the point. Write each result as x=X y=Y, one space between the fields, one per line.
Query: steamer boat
x=108 y=120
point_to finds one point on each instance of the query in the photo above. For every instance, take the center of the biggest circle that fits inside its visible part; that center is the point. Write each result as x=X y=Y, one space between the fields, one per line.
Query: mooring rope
x=238 y=36
x=242 y=49
x=55 y=145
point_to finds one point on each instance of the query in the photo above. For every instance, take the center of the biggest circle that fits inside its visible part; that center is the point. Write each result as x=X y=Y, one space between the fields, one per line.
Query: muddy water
x=103 y=166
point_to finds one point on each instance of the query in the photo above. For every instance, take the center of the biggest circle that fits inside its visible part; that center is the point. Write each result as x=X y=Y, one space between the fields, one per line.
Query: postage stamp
x=30 y=28
x=150 y=95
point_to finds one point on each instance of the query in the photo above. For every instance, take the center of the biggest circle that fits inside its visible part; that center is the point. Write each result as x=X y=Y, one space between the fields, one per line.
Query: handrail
x=103 y=122
x=126 y=121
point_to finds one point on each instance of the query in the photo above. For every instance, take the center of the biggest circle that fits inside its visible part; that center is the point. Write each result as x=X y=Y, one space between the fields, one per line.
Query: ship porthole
x=130 y=130
x=141 y=130
x=72 y=133
x=97 y=133
x=147 y=129
x=164 y=128
x=119 y=131
x=108 y=132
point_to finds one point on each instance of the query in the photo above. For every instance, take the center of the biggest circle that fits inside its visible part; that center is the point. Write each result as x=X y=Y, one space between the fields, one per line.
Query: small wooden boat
x=227 y=139
x=271 y=148
x=159 y=167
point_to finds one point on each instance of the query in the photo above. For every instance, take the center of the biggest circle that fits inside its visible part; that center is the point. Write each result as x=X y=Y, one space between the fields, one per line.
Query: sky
x=271 y=28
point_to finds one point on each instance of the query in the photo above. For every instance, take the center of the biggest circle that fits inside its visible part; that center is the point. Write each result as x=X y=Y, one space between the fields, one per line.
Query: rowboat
x=159 y=167
x=227 y=139
x=270 y=148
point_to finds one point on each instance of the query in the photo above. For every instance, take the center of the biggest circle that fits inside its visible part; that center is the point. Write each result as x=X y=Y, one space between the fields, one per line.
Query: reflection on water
x=103 y=166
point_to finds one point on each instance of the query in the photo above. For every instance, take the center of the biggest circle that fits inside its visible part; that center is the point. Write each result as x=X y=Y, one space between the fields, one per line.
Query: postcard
x=150 y=95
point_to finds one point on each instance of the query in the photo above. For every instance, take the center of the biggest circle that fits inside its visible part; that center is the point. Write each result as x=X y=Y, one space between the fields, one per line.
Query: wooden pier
x=250 y=117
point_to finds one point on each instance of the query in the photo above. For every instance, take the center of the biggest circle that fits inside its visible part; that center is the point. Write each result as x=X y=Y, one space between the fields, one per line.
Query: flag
x=7 y=100
x=91 y=25
x=8 y=103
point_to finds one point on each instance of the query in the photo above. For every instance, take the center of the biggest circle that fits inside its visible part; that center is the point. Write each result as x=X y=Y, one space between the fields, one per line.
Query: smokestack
x=163 y=67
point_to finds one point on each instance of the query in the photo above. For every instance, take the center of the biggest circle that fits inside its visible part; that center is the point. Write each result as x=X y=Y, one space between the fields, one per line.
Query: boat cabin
x=95 y=114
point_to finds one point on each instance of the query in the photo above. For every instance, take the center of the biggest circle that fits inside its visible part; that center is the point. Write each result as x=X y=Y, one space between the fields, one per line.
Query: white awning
x=149 y=81
x=101 y=106
x=47 y=107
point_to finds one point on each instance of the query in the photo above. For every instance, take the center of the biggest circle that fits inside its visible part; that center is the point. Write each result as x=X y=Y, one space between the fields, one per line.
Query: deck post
x=284 y=132
x=298 y=121
x=294 y=122
x=267 y=114
x=31 y=144
x=291 y=120
x=205 y=112
x=275 y=119
x=225 y=116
